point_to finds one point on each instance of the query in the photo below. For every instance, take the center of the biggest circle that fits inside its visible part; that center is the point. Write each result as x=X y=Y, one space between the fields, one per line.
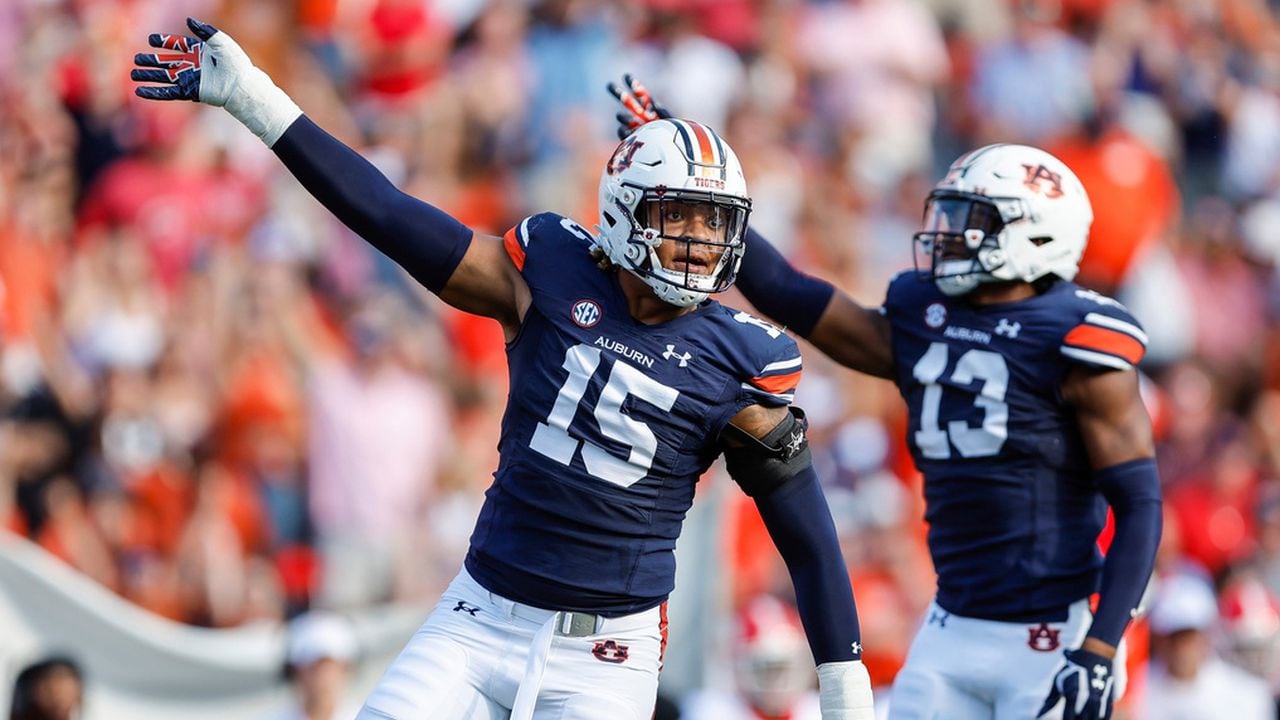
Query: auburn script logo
x=1043 y=180
x=610 y=651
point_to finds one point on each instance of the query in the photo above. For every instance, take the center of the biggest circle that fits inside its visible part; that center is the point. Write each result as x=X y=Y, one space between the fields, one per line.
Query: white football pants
x=962 y=668
x=470 y=657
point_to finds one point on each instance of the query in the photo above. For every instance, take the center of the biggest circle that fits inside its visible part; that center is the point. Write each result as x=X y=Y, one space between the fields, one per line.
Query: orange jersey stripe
x=514 y=249
x=662 y=630
x=1092 y=337
x=778 y=384
x=704 y=143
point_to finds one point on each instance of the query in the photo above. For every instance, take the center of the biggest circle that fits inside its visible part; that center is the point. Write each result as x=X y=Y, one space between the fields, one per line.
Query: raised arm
x=852 y=335
x=767 y=454
x=470 y=272
x=1117 y=434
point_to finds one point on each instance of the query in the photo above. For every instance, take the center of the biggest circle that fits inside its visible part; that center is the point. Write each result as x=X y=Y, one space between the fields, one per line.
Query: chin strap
x=844 y=691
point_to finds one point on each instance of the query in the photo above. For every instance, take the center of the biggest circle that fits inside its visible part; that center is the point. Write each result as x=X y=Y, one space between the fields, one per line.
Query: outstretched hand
x=180 y=70
x=638 y=106
x=213 y=69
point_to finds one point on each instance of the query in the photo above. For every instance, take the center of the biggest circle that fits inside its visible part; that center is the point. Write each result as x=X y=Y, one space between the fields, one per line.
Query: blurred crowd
x=221 y=404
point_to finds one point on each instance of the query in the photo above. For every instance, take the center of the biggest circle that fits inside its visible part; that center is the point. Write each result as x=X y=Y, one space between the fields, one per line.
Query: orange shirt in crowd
x=162 y=501
x=317 y=17
x=28 y=285
x=261 y=394
x=1134 y=196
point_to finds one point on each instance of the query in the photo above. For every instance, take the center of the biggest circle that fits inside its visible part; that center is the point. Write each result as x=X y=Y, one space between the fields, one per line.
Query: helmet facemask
x=962 y=239
x=700 y=235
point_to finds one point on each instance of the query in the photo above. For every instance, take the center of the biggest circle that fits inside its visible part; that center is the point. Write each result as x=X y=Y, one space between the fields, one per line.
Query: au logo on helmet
x=623 y=156
x=1038 y=175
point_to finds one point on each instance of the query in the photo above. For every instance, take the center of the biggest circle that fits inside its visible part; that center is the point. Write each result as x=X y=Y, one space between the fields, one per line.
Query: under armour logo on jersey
x=671 y=353
x=462 y=606
x=1099 y=681
x=1008 y=329
x=857 y=648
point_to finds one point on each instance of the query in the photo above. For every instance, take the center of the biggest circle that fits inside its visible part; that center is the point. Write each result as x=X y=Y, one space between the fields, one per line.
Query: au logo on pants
x=610 y=651
x=1043 y=638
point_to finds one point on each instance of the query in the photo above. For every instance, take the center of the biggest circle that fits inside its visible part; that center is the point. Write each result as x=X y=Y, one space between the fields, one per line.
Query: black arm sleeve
x=779 y=290
x=424 y=240
x=799 y=521
x=1133 y=489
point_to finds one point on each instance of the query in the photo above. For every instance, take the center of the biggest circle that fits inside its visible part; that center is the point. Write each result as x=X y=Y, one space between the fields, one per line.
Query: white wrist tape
x=844 y=691
x=230 y=79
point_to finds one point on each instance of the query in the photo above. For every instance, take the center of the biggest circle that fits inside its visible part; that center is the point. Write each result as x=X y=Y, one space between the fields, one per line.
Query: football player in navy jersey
x=1025 y=420
x=625 y=387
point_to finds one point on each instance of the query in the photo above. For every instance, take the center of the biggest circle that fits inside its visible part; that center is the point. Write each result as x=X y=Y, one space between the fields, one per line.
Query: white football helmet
x=773 y=667
x=684 y=162
x=1004 y=213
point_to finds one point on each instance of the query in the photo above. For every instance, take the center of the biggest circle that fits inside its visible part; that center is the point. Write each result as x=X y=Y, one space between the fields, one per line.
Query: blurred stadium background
x=219 y=408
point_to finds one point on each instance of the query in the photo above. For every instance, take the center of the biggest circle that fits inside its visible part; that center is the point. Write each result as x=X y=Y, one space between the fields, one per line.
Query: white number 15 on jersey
x=551 y=438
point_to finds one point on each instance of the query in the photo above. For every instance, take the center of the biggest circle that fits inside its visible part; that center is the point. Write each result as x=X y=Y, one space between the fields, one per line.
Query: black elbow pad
x=761 y=465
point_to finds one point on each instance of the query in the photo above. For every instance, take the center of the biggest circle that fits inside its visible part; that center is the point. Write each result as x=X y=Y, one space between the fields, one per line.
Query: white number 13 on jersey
x=972 y=442
x=551 y=438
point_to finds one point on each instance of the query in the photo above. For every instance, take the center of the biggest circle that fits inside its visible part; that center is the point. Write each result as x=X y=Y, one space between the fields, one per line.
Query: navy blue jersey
x=1012 y=509
x=608 y=426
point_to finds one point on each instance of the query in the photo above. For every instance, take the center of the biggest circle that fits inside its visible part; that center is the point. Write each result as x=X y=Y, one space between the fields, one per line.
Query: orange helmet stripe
x=705 y=148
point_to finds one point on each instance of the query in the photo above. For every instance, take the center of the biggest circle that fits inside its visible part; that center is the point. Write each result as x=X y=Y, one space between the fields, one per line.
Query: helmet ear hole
x=1040 y=240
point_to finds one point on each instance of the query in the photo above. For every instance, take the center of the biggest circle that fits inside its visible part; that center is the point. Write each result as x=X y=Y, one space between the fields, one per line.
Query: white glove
x=844 y=691
x=212 y=68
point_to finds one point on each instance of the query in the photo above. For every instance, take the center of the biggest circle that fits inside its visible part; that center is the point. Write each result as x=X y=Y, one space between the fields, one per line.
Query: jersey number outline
x=972 y=442
x=551 y=438
x=749 y=319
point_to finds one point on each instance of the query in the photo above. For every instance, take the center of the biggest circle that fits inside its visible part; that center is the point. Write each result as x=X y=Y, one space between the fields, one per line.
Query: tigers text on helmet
x=1004 y=213
x=678 y=181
